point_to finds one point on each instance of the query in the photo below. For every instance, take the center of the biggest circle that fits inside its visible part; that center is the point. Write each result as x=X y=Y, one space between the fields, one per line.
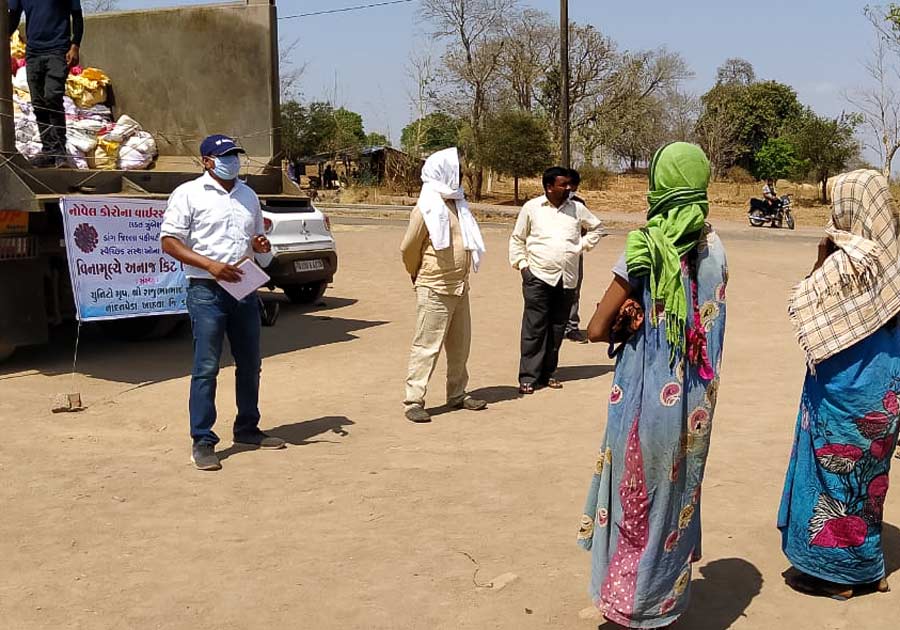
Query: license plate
x=309 y=265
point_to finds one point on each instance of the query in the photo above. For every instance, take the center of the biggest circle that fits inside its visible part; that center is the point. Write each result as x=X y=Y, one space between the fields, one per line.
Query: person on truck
x=53 y=33
x=210 y=224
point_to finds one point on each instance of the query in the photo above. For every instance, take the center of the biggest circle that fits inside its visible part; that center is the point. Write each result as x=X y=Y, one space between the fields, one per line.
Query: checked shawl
x=857 y=289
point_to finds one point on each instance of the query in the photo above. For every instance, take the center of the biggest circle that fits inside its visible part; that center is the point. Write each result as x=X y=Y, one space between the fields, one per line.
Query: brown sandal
x=554 y=384
x=526 y=388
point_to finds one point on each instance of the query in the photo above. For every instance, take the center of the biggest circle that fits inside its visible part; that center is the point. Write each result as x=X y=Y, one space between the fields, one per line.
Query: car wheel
x=305 y=293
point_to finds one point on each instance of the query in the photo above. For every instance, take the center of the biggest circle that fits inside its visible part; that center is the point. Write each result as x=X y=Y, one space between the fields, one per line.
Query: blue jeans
x=214 y=314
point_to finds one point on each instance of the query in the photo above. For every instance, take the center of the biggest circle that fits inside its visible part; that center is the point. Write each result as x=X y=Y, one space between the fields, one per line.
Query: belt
x=203 y=281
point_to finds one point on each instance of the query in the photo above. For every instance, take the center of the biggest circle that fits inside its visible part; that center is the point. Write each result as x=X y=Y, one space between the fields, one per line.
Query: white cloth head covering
x=440 y=181
x=857 y=289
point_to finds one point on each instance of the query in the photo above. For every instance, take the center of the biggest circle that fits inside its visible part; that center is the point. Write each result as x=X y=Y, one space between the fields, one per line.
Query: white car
x=305 y=255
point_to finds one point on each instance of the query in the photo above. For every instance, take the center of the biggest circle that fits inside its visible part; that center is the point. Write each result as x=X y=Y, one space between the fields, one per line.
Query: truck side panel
x=187 y=72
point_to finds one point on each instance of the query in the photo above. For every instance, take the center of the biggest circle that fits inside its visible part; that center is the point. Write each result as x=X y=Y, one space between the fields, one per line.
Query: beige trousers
x=441 y=320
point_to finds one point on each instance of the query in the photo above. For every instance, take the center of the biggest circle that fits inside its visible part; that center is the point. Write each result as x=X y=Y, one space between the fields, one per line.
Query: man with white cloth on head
x=441 y=244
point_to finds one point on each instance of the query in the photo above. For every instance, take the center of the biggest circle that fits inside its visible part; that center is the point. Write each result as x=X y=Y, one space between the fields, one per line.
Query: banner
x=117 y=266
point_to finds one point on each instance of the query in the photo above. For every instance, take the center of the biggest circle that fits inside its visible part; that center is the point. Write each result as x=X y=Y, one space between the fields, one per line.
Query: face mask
x=227 y=167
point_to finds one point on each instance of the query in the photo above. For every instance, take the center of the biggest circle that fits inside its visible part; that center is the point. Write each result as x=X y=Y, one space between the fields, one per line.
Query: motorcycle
x=760 y=213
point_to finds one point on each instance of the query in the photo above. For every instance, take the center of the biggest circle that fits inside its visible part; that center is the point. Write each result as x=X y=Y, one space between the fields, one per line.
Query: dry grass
x=625 y=193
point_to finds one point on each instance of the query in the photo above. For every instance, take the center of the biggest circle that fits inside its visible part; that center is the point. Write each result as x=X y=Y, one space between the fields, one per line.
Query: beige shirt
x=444 y=271
x=549 y=241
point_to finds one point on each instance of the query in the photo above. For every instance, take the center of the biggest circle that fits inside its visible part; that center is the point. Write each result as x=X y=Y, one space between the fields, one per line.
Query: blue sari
x=641 y=520
x=837 y=478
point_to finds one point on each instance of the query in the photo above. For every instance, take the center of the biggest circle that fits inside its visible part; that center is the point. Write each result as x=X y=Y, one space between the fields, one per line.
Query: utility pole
x=566 y=156
x=7 y=126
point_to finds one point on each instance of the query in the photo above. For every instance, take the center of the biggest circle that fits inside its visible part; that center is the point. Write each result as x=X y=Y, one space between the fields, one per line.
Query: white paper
x=253 y=278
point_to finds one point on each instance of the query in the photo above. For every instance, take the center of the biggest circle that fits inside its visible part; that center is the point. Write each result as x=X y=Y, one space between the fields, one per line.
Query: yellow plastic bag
x=16 y=46
x=88 y=88
x=106 y=155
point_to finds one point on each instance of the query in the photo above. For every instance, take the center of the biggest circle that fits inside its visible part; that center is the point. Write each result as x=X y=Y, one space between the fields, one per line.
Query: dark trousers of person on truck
x=47 y=74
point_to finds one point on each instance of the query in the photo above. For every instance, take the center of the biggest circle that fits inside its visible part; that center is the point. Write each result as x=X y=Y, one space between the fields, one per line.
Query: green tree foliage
x=825 y=146
x=349 y=132
x=516 y=143
x=375 y=139
x=776 y=159
x=739 y=115
x=432 y=133
x=306 y=129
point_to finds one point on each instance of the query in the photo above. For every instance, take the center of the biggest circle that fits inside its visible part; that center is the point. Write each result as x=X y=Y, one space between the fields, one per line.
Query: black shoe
x=577 y=336
x=470 y=404
x=259 y=440
x=417 y=414
x=43 y=161
x=204 y=457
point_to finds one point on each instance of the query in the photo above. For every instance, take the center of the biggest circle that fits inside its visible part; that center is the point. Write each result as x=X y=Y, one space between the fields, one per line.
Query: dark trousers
x=215 y=314
x=47 y=74
x=543 y=327
x=574 y=323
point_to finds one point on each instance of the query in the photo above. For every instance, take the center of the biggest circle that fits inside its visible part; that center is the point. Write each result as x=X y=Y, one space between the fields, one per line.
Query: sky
x=357 y=60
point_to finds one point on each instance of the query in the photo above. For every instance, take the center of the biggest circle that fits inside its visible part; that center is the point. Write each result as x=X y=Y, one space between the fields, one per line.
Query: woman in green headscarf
x=642 y=518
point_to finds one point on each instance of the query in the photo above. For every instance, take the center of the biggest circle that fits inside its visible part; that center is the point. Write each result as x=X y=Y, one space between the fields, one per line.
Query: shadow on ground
x=502 y=393
x=720 y=598
x=582 y=372
x=299 y=433
x=101 y=357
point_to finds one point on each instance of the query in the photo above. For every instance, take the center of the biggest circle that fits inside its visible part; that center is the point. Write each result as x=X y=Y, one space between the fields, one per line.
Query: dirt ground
x=366 y=520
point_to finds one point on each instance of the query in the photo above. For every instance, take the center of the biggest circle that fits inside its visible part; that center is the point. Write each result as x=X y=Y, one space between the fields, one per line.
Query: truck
x=183 y=73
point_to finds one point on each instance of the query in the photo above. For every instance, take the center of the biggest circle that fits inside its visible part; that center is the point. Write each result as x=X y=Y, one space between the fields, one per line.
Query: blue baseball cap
x=218 y=145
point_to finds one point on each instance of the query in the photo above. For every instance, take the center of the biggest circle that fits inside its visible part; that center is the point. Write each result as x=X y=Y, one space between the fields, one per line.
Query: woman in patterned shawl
x=641 y=522
x=845 y=317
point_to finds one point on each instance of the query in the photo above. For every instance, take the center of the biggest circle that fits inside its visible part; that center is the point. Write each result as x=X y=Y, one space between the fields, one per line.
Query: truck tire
x=6 y=351
x=305 y=293
x=142 y=328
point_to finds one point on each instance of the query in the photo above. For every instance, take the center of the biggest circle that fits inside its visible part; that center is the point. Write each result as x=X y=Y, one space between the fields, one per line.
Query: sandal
x=526 y=388
x=553 y=383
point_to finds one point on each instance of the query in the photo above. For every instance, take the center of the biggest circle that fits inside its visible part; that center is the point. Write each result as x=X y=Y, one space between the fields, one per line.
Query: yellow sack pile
x=88 y=88
x=16 y=46
x=106 y=156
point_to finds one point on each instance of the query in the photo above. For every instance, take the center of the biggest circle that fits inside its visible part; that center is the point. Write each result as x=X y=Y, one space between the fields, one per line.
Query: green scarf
x=679 y=177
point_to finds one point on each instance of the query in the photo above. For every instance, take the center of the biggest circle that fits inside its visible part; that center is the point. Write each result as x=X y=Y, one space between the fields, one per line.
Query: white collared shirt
x=548 y=239
x=214 y=222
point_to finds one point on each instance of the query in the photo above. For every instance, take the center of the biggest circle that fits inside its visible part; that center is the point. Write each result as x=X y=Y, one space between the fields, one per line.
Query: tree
x=289 y=72
x=718 y=131
x=472 y=64
x=530 y=43
x=825 y=145
x=375 y=139
x=432 y=133
x=737 y=120
x=306 y=130
x=776 y=159
x=735 y=71
x=99 y=6
x=348 y=131
x=517 y=144
x=879 y=105
x=420 y=70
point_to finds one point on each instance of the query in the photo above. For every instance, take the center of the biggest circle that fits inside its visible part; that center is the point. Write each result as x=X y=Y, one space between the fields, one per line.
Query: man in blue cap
x=210 y=224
